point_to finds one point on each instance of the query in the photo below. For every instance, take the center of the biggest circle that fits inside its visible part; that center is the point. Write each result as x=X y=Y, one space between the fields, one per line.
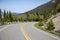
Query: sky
x=20 y=6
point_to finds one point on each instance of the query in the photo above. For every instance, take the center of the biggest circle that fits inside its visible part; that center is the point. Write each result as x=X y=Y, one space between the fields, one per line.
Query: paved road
x=13 y=32
x=36 y=34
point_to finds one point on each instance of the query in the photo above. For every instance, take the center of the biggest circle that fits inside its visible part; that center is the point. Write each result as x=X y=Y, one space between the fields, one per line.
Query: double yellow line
x=25 y=34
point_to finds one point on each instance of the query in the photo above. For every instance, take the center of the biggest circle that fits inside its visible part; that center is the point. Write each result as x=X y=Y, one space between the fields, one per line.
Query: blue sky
x=20 y=6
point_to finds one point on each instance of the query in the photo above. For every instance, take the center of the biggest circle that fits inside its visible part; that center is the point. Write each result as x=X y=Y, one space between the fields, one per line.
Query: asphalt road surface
x=24 y=31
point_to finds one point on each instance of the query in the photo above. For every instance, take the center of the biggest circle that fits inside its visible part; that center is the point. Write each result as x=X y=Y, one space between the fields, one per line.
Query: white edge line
x=46 y=33
x=4 y=28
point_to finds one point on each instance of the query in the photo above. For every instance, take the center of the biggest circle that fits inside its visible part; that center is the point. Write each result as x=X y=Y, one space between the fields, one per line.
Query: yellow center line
x=25 y=34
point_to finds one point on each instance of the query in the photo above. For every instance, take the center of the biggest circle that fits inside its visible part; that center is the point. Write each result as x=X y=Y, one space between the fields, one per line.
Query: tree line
x=8 y=16
x=40 y=16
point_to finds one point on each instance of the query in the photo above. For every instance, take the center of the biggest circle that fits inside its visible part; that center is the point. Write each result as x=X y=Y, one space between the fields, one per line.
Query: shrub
x=50 y=25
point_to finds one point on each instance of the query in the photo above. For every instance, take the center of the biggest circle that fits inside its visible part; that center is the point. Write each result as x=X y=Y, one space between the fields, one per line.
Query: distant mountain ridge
x=46 y=10
x=40 y=9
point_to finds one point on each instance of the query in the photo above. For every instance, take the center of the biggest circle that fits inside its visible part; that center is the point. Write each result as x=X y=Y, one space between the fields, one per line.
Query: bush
x=40 y=23
x=50 y=26
x=0 y=20
x=58 y=10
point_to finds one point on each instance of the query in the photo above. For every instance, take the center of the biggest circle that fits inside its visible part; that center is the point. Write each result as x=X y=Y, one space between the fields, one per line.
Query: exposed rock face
x=56 y=21
x=55 y=1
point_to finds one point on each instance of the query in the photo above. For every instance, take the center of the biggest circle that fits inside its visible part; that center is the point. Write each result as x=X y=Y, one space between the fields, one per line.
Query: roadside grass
x=0 y=24
x=39 y=27
x=8 y=23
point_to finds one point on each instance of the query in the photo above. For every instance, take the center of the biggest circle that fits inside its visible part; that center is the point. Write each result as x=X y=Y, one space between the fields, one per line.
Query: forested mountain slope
x=45 y=11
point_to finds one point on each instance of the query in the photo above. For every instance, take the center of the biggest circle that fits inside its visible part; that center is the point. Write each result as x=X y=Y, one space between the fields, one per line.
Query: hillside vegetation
x=42 y=12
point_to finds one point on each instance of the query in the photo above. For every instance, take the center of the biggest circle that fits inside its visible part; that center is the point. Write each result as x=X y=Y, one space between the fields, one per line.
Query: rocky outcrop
x=55 y=1
x=56 y=21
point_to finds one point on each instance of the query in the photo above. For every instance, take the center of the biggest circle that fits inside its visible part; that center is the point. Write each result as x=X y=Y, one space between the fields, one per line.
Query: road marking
x=25 y=34
x=4 y=28
x=51 y=35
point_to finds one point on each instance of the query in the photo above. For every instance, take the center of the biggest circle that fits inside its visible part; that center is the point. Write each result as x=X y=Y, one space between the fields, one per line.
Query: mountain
x=42 y=8
x=47 y=10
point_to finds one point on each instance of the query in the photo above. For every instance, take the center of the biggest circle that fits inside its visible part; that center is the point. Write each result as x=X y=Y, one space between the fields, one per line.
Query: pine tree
x=4 y=13
x=10 y=16
x=0 y=15
x=5 y=16
x=50 y=26
x=55 y=7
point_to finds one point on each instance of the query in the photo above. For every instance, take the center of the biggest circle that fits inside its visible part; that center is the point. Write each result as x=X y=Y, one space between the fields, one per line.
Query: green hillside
x=45 y=11
x=40 y=9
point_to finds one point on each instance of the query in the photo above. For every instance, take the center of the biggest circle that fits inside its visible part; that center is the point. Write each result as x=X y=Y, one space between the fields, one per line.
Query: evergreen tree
x=0 y=15
x=58 y=8
x=4 y=13
x=5 y=16
x=50 y=25
x=10 y=16
x=55 y=7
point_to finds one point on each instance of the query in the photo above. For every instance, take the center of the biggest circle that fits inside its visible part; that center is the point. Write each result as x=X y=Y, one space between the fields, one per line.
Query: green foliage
x=46 y=10
x=50 y=25
x=7 y=17
x=58 y=8
x=39 y=27
x=0 y=13
x=32 y=17
x=10 y=16
x=41 y=13
x=41 y=20
x=0 y=20
x=40 y=23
